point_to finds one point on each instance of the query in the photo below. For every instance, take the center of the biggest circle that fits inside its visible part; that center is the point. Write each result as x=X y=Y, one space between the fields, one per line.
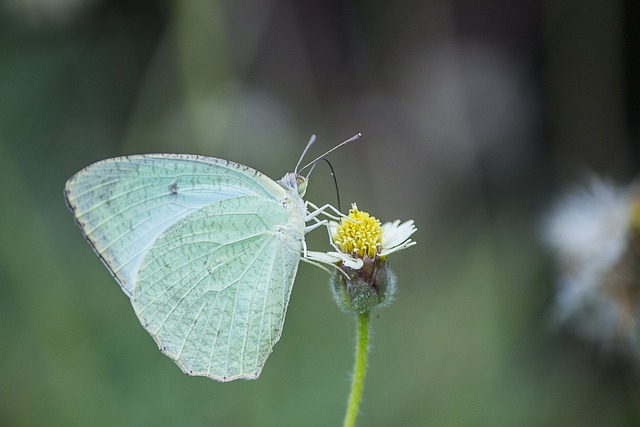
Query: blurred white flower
x=593 y=233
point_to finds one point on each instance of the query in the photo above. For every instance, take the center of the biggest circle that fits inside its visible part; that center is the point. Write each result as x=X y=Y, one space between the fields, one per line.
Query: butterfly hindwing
x=214 y=288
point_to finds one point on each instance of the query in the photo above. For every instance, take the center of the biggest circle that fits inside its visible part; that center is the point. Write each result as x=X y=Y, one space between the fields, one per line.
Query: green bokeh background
x=474 y=114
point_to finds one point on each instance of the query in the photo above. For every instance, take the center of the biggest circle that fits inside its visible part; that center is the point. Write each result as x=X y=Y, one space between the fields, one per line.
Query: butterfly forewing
x=206 y=249
x=124 y=204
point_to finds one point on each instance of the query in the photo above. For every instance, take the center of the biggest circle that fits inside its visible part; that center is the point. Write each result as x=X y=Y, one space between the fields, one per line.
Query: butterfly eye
x=302 y=185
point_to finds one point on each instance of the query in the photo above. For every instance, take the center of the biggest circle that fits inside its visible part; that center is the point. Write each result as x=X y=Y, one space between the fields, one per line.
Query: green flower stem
x=359 y=369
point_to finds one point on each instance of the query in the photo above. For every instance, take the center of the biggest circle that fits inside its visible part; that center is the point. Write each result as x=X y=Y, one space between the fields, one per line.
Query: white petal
x=348 y=260
x=322 y=257
x=404 y=245
x=394 y=233
x=334 y=258
x=354 y=263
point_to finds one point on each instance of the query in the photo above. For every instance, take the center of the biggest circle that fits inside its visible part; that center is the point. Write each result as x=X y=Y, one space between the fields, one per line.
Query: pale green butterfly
x=206 y=249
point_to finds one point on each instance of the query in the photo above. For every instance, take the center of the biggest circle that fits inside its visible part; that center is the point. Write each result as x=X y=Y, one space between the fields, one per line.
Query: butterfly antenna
x=353 y=138
x=311 y=170
x=311 y=141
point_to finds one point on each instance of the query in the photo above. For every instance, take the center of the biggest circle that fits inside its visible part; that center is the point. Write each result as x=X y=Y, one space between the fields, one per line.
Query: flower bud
x=359 y=290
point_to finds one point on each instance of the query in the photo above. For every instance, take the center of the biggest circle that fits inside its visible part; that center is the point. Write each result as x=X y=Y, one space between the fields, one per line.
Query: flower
x=361 y=234
x=595 y=236
x=363 y=279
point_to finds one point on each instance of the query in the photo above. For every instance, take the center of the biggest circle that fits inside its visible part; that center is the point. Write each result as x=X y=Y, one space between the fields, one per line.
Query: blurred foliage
x=473 y=113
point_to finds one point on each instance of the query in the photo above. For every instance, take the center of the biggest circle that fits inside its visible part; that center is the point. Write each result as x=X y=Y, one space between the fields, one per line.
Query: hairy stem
x=359 y=369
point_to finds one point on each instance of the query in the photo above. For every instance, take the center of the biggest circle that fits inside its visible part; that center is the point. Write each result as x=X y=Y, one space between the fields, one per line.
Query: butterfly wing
x=206 y=249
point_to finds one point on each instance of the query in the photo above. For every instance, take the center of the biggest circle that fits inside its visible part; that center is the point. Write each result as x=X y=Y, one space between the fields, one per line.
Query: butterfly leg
x=305 y=256
x=317 y=264
x=316 y=211
x=319 y=223
x=313 y=216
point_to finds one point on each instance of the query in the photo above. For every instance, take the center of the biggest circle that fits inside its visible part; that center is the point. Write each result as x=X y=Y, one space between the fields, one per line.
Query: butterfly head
x=294 y=183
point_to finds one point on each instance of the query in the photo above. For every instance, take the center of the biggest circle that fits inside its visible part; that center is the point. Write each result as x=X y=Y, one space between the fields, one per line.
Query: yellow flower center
x=360 y=235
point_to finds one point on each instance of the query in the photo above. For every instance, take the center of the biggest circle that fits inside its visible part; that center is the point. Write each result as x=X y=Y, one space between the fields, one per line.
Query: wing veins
x=189 y=262
x=266 y=295
x=193 y=287
x=235 y=304
x=206 y=325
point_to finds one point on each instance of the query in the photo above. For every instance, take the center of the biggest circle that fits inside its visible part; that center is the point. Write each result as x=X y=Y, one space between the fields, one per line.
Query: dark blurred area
x=474 y=116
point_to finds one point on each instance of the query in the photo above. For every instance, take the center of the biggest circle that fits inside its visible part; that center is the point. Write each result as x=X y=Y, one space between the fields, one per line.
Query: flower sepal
x=358 y=291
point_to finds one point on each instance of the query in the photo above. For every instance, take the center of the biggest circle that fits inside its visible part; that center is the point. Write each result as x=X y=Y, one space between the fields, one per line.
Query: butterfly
x=206 y=249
